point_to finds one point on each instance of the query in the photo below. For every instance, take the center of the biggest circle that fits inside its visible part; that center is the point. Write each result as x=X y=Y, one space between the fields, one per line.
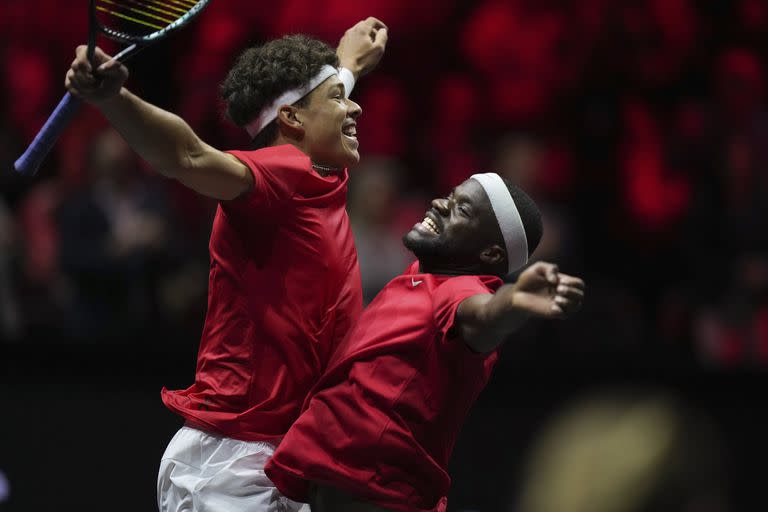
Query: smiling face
x=459 y=234
x=328 y=120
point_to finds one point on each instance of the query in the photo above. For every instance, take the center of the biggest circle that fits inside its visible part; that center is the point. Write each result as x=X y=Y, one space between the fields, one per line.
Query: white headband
x=289 y=97
x=508 y=218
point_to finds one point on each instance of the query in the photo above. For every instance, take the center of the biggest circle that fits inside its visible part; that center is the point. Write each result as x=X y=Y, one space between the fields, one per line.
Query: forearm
x=501 y=315
x=161 y=138
x=485 y=321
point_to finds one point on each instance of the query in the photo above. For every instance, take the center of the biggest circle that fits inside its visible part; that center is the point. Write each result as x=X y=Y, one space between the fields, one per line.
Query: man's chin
x=408 y=239
x=418 y=245
x=349 y=155
x=346 y=160
x=353 y=159
x=340 y=158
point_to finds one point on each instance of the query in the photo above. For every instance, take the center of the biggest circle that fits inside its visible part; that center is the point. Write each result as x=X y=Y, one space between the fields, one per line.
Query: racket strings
x=154 y=14
x=185 y=4
x=158 y=8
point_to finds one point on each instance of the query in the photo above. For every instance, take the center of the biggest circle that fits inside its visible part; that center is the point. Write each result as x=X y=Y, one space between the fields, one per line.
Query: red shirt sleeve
x=277 y=172
x=451 y=293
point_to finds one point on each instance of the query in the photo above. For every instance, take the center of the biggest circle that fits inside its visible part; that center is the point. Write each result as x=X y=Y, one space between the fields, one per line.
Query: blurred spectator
x=514 y=46
x=376 y=208
x=731 y=325
x=456 y=112
x=655 y=197
x=218 y=37
x=28 y=77
x=113 y=234
x=740 y=83
x=10 y=322
x=654 y=39
x=626 y=453
x=728 y=227
x=545 y=173
x=416 y=21
x=40 y=286
x=384 y=115
x=753 y=18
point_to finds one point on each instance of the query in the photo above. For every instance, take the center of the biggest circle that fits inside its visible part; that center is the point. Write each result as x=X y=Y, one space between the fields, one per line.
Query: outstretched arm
x=485 y=320
x=161 y=138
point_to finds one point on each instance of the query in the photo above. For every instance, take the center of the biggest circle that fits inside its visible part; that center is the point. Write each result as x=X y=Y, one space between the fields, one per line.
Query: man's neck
x=446 y=269
x=321 y=169
x=325 y=170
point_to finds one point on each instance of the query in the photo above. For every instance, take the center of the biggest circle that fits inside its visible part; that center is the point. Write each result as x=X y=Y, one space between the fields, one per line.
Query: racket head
x=143 y=21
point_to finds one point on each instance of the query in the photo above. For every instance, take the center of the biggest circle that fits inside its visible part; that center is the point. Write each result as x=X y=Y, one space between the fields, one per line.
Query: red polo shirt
x=284 y=288
x=382 y=422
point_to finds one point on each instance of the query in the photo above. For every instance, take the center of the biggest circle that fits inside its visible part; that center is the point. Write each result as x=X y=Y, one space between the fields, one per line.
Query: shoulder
x=278 y=172
x=448 y=287
x=451 y=292
x=285 y=157
x=289 y=167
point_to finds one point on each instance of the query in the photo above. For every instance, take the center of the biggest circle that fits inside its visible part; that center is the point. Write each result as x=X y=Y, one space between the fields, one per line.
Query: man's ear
x=493 y=255
x=289 y=122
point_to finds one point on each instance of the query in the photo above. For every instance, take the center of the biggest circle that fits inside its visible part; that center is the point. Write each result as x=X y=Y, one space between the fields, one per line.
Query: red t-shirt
x=284 y=288
x=382 y=421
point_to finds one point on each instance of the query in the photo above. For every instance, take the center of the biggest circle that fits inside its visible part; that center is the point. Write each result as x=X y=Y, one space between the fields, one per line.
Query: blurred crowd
x=639 y=126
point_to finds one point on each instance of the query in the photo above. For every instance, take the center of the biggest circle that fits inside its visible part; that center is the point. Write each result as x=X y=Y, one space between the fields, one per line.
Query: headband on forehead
x=291 y=96
x=508 y=217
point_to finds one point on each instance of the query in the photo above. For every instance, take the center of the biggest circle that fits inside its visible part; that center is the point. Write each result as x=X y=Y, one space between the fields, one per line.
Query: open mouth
x=350 y=130
x=430 y=225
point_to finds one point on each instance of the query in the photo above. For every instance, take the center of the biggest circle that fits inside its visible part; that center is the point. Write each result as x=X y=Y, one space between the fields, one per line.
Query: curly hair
x=262 y=73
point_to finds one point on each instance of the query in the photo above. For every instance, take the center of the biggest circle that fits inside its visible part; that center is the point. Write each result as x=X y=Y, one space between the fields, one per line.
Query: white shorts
x=202 y=472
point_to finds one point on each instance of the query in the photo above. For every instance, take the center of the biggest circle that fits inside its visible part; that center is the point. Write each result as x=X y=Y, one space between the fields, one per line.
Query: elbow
x=172 y=166
x=481 y=340
x=170 y=171
x=483 y=344
x=183 y=161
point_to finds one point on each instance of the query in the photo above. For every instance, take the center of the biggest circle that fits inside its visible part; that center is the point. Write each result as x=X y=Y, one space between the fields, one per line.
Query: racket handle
x=30 y=161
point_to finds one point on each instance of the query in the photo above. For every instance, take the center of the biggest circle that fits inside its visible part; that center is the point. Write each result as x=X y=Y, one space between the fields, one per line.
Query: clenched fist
x=362 y=46
x=543 y=291
x=99 y=85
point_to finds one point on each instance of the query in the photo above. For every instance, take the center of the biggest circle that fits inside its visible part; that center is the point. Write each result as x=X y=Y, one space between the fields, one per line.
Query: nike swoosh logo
x=415 y=283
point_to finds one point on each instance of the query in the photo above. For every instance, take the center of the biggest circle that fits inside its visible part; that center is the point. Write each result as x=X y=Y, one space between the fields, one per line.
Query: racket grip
x=30 y=161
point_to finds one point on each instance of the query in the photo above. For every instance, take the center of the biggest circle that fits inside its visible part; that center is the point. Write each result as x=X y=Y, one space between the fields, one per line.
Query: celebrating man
x=378 y=430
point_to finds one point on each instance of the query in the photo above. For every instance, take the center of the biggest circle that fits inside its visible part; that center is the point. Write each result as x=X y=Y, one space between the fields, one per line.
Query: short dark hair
x=529 y=214
x=262 y=73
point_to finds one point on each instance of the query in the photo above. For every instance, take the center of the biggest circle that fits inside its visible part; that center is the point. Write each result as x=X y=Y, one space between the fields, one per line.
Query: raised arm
x=161 y=138
x=485 y=320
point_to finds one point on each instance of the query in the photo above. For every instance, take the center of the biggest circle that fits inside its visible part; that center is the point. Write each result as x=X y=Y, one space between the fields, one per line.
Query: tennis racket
x=136 y=23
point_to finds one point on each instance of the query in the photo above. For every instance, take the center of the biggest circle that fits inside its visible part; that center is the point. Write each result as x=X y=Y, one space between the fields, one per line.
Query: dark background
x=639 y=127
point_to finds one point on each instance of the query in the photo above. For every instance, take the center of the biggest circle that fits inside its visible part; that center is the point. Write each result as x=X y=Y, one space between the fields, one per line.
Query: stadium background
x=639 y=126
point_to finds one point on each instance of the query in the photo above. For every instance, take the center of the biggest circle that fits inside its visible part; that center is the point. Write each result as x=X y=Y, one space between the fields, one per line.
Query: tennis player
x=379 y=428
x=284 y=283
